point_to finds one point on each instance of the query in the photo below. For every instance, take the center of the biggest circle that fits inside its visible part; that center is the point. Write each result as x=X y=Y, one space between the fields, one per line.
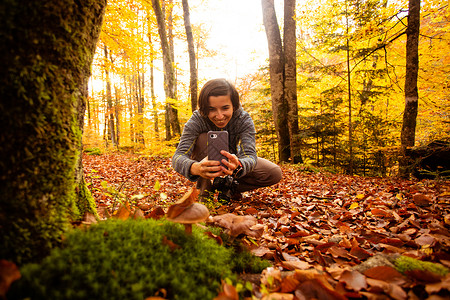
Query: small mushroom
x=195 y=213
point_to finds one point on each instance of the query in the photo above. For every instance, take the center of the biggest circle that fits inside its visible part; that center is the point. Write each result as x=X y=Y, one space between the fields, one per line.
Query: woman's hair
x=217 y=87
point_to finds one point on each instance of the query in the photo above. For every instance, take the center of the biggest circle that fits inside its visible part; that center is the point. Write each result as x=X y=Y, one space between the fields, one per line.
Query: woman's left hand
x=232 y=162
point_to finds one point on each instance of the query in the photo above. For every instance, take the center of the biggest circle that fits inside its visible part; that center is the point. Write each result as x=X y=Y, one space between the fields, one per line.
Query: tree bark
x=47 y=49
x=152 y=82
x=290 y=81
x=191 y=49
x=276 y=66
x=411 y=94
x=169 y=73
x=109 y=103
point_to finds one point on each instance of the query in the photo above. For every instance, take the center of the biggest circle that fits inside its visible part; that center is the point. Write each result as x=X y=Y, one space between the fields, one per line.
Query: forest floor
x=329 y=236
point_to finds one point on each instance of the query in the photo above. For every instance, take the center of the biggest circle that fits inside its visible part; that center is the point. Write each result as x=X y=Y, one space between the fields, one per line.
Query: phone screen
x=217 y=141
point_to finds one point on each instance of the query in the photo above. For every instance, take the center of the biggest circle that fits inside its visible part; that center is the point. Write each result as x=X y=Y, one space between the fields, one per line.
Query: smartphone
x=217 y=141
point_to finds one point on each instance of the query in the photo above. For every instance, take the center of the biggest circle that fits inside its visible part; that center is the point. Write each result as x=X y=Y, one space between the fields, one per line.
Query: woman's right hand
x=208 y=169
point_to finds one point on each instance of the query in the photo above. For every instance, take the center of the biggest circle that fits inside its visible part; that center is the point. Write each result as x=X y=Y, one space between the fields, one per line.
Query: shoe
x=224 y=198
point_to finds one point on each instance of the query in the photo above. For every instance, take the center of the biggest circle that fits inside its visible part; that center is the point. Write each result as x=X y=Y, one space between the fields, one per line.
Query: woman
x=220 y=109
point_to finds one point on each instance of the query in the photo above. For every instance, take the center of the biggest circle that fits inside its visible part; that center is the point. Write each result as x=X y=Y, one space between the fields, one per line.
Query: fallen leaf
x=385 y=273
x=353 y=280
x=138 y=214
x=157 y=213
x=289 y=284
x=425 y=240
x=237 y=225
x=421 y=200
x=124 y=211
x=9 y=273
x=170 y=244
x=315 y=289
x=394 y=291
x=228 y=292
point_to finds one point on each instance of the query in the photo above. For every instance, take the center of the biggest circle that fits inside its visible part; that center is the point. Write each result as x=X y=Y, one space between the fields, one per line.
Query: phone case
x=217 y=141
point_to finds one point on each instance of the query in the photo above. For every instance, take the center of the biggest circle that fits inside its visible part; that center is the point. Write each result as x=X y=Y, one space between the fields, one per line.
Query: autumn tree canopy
x=350 y=74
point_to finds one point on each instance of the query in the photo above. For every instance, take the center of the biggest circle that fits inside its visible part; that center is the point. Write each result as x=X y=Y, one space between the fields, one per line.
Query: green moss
x=85 y=202
x=93 y=151
x=405 y=263
x=130 y=260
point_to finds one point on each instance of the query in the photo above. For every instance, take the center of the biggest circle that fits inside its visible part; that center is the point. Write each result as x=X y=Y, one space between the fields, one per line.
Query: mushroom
x=195 y=213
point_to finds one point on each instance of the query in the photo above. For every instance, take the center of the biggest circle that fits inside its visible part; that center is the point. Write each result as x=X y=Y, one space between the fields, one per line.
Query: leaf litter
x=329 y=236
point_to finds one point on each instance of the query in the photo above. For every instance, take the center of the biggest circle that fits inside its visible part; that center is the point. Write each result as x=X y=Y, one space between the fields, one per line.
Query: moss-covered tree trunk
x=46 y=52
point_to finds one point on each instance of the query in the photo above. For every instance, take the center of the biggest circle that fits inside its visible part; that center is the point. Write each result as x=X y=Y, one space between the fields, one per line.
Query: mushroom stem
x=188 y=228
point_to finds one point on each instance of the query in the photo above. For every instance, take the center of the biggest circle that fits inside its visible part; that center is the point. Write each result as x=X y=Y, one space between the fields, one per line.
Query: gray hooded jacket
x=241 y=135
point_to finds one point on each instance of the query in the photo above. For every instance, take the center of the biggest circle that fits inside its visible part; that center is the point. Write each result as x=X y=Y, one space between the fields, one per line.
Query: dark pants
x=264 y=174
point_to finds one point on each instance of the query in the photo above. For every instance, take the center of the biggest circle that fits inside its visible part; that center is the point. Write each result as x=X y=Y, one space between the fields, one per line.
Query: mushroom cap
x=195 y=213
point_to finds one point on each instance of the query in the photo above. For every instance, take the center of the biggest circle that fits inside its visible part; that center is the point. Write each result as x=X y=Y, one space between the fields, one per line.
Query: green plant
x=405 y=263
x=129 y=260
x=93 y=151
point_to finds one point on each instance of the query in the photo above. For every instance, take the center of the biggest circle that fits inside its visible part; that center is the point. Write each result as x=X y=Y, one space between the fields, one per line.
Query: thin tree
x=152 y=77
x=277 y=69
x=411 y=94
x=169 y=75
x=109 y=103
x=290 y=80
x=191 y=49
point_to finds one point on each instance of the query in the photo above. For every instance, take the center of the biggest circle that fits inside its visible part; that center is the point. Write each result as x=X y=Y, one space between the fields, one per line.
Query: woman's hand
x=232 y=163
x=208 y=169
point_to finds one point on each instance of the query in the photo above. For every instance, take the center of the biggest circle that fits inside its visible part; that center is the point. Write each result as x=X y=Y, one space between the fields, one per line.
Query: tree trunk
x=140 y=110
x=169 y=73
x=191 y=50
x=349 y=90
x=109 y=103
x=411 y=94
x=290 y=81
x=47 y=49
x=276 y=65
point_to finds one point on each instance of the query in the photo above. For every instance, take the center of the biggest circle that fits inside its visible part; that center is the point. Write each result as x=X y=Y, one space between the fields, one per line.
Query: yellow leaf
x=447 y=219
x=354 y=205
x=157 y=185
x=399 y=196
x=360 y=196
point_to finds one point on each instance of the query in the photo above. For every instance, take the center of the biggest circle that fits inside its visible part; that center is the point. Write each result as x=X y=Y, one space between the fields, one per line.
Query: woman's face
x=220 y=110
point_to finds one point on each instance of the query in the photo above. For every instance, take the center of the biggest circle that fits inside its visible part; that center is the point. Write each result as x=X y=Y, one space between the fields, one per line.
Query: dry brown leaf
x=425 y=240
x=228 y=292
x=9 y=273
x=157 y=213
x=170 y=244
x=138 y=214
x=124 y=211
x=289 y=284
x=316 y=289
x=385 y=273
x=353 y=280
x=394 y=291
x=438 y=286
x=296 y=265
x=237 y=225
x=421 y=200
x=278 y=296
